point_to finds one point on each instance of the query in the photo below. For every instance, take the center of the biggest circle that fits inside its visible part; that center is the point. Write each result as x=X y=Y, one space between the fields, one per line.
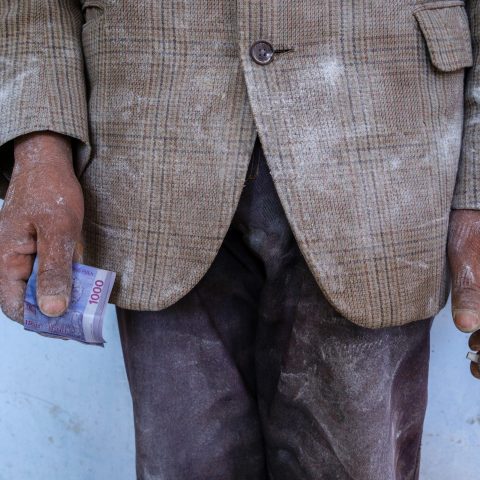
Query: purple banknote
x=83 y=321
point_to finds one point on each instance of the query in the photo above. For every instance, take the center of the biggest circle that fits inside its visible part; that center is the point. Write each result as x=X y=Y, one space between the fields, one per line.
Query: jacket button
x=261 y=52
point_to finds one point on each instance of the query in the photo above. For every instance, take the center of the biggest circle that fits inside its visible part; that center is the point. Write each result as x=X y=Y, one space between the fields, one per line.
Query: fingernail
x=466 y=320
x=52 y=305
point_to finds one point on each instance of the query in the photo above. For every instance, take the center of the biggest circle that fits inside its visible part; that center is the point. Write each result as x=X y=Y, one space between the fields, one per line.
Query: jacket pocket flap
x=444 y=25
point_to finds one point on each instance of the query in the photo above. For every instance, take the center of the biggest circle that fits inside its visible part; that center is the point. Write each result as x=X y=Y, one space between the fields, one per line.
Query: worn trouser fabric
x=253 y=375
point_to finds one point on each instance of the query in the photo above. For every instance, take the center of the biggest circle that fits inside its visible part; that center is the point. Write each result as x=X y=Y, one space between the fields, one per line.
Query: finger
x=463 y=245
x=16 y=264
x=54 y=279
x=466 y=319
x=466 y=299
x=466 y=309
x=475 y=370
x=474 y=341
x=12 y=295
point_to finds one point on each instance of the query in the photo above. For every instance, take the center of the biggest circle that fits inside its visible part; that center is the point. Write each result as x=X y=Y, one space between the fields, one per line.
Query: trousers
x=254 y=375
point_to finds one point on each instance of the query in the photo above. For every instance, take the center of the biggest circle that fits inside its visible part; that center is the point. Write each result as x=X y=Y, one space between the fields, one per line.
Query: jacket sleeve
x=467 y=188
x=42 y=82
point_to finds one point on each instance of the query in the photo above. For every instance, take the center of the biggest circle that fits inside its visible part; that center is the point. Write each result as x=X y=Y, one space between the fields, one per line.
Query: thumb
x=54 y=278
x=466 y=299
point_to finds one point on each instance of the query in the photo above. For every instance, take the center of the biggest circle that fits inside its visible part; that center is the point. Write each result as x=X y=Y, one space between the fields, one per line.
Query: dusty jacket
x=361 y=120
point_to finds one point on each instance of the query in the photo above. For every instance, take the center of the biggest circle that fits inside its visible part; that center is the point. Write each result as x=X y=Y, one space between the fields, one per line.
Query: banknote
x=473 y=357
x=83 y=320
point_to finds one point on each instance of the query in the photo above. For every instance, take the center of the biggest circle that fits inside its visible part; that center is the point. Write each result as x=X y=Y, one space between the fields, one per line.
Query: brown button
x=261 y=52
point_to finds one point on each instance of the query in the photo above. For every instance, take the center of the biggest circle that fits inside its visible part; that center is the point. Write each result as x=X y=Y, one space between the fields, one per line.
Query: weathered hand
x=43 y=214
x=464 y=257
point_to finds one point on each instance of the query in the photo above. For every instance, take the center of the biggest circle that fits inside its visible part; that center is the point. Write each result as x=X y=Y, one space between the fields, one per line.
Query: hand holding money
x=83 y=319
x=42 y=216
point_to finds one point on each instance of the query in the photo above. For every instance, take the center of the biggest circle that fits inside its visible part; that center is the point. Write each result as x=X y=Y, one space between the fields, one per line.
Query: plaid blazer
x=369 y=121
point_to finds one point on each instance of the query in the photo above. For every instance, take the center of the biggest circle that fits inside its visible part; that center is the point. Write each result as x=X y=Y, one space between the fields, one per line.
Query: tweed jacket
x=368 y=115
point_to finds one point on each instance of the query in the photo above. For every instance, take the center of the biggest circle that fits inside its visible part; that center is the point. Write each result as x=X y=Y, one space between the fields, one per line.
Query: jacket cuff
x=35 y=96
x=467 y=187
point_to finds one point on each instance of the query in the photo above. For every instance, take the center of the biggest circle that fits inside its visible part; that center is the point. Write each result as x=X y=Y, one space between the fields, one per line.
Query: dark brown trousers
x=253 y=375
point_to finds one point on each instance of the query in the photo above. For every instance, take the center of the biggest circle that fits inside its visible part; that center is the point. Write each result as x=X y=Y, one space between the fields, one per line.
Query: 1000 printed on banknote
x=83 y=320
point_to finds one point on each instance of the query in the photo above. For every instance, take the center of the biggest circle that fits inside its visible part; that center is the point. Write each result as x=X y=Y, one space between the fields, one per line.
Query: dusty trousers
x=253 y=374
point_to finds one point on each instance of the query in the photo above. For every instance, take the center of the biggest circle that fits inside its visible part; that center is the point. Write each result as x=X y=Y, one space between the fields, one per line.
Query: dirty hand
x=464 y=257
x=42 y=214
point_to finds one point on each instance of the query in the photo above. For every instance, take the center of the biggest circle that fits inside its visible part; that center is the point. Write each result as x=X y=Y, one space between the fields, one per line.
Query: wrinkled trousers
x=254 y=375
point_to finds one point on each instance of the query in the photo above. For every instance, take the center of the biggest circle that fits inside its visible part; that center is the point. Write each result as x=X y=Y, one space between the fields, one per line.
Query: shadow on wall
x=65 y=408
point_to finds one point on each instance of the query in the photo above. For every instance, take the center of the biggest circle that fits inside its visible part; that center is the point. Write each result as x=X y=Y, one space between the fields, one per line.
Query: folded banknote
x=83 y=320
